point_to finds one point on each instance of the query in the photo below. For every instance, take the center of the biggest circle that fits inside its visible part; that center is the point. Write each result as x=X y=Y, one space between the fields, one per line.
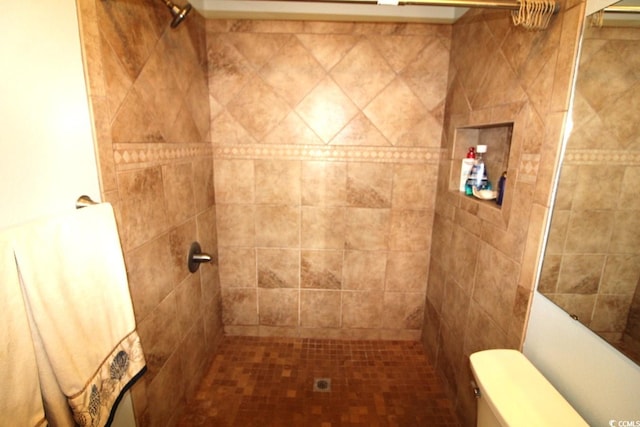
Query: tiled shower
x=326 y=144
x=313 y=161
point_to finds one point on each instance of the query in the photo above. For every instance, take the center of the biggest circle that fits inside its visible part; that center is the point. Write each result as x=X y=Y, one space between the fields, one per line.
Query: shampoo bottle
x=479 y=170
x=465 y=169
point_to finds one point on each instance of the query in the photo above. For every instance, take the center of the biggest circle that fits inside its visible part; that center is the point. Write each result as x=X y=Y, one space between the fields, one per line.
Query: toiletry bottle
x=479 y=170
x=465 y=168
x=501 y=185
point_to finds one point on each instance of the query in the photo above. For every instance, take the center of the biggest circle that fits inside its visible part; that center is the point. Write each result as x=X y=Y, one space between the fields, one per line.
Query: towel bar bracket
x=84 y=201
x=196 y=257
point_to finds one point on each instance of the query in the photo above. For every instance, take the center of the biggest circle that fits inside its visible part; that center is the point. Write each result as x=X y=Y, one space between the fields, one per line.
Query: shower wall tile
x=365 y=270
x=625 y=236
x=337 y=111
x=257 y=108
x=320 y=308
x=142 y=262
x=239 y=306
x=234 y=181
x=407 y=271
x=188 y=296
x=359 y=132
x=292 y=71
x=621 y=274
x=180 y=238
x=321 y=269
x=203 y=185
x=278 y=307
x=362 y=73
x=237 y=267
x=403 y=310
x=277 y=182
x=278 y=268
x=362 y=309
x=148 y=90
x=589 y=231
x=323 y=227
x=400 y=124
x=236 y=225
x=166 y=386
x=158 y=333
x=414 y=186
x=369 y=185
x=611 y=312
x=195 y=340
x=277 y=226
x=324 y=183
x=143 y=212
x=410 y=230
x=179 y=192
x=436 y=278
x=367 y=229
x=482 y=259
x=326 y=143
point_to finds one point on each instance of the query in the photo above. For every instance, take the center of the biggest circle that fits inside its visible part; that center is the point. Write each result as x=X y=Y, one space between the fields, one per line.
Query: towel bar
x=84 y=201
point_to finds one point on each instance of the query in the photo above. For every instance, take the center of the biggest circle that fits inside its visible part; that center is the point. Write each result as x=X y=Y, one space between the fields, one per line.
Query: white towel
x=20 y=400
x=75 y=287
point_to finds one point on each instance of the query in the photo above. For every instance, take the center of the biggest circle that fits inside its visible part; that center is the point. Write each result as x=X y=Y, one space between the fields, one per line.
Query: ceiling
x=357 y=10
x=286 y=9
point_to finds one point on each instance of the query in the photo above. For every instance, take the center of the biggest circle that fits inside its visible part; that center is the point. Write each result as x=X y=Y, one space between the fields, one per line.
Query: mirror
x=591 y=266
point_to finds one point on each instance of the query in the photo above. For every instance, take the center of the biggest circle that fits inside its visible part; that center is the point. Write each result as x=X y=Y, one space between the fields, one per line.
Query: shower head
x=178 y=13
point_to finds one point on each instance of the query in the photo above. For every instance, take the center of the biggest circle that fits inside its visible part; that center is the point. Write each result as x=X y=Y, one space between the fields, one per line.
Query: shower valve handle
x=196 y=257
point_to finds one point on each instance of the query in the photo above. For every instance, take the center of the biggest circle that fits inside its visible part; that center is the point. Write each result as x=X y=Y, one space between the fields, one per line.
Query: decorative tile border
x=330 y=153
x=597 y=157
x=528 y=168
x=141 y=155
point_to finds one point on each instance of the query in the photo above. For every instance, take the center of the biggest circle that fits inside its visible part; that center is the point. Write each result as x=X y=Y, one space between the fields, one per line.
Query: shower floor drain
x=322 y=384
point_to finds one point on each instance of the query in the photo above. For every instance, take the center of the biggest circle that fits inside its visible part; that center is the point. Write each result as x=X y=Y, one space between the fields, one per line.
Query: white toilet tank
x=514 y=393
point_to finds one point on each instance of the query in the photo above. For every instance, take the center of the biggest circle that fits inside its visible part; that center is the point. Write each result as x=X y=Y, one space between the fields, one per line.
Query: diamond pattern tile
x=225 y=129
x=258 y=108
x=397 y=113
x=327 y=109
x=422 y=74
x=293 y=72
x=157 y=86
x=292 y=130
x=360 y=131
x=258 y=49
x=133 y=46
x=362 y=73
x=328 y=83
x=229 y=71
x=399 y=51
x=328 y=49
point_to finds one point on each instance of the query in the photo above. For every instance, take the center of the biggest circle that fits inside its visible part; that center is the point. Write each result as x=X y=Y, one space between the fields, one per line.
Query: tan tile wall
x=326 y=145
x=148 y=92
x=592 y=266
x=484 y=258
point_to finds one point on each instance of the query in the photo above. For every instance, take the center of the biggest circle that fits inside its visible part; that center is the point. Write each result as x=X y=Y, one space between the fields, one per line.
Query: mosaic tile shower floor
x=270 y=382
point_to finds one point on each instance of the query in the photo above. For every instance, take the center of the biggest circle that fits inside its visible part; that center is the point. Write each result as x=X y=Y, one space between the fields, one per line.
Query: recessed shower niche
x=497 y=138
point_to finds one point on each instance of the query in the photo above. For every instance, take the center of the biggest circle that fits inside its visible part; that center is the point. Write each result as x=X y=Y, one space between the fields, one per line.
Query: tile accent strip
x=595 y=157
x=528 y=170
x=330 y=153
x=141 y=155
